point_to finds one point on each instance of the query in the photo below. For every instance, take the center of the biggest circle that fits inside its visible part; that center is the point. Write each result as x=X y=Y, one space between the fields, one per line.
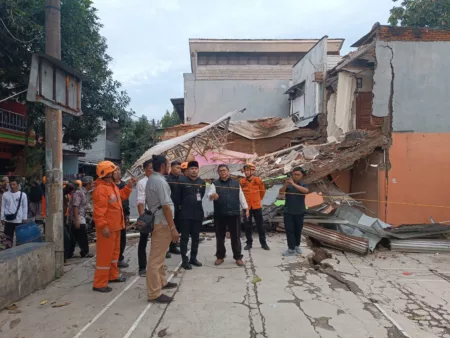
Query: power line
x=16 y=39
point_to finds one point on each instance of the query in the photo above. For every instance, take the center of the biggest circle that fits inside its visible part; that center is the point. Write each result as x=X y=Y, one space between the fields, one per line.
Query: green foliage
x=421 y=13
x=170 y=119
x=137 y=137
x=82 y=47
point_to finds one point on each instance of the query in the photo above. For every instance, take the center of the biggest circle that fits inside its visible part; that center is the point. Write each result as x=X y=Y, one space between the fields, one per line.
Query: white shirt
x=242 y=199
x=10 y=201
x=140 y=198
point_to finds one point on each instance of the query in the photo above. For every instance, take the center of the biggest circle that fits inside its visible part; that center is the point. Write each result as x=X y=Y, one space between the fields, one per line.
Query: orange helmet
x=249 y=166
x=104 y=168
x=184 y=165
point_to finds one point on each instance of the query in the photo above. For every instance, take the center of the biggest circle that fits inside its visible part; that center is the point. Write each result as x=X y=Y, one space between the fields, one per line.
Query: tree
x=170 y=119
x=137 y=137
x=83 y=48
x=421 y=13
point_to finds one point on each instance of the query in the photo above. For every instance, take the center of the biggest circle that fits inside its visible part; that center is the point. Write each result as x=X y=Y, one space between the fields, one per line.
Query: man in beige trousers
x=158 y=201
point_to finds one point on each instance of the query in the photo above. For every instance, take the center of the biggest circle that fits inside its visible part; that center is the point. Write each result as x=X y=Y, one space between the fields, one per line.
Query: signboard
x=54 y=84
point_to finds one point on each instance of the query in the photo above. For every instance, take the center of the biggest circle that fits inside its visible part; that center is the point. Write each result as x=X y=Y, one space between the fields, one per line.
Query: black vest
x=228 y=203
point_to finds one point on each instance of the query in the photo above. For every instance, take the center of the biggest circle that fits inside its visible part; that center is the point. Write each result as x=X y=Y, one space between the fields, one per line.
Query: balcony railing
x=12 y=121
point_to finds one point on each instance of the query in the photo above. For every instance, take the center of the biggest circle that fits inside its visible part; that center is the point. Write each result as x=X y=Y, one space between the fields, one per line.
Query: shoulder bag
x=146 y=222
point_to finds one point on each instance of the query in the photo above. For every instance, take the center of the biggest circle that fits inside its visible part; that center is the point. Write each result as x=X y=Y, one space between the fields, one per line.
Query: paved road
x=367 y=297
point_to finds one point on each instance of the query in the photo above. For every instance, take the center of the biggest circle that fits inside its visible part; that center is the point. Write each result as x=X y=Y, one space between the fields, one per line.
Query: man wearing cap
x=254 y=191
x=294 y=210
x=173 y=179
x=228 y=200
x=192 y=190
x=108 y=217
x=77 y=218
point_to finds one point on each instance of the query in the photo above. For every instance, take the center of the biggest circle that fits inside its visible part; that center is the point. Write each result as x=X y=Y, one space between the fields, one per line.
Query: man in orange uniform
x=109 y=221
x=254 y=191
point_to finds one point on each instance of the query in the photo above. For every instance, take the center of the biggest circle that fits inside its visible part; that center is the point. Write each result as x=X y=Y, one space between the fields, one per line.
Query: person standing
x=14 y=210
x=228 y=199
x=117 y=176
x=108 y=217
x=77 y=220
x=141 y=205
x=157 y=195
x=294 y=210
x=36 y=195
x=173 y=179
x=254 y=191
x=192 y=190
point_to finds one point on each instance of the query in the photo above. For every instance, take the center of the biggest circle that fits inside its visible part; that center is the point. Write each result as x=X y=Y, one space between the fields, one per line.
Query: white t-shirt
x=10 y=201
x=140 y=198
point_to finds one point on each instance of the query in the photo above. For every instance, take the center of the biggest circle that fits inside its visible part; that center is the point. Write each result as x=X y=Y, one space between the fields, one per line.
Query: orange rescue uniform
x=108 y=212
x=254 y=191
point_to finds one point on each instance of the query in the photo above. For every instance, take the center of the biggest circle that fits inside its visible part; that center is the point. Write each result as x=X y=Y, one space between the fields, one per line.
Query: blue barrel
x=27 y=233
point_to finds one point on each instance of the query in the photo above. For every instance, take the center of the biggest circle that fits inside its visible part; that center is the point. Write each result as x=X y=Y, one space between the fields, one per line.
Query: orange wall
x=419 y=174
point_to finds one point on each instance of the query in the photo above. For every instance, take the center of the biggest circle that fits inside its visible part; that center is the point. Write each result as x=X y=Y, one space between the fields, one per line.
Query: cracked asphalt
x=386 y=294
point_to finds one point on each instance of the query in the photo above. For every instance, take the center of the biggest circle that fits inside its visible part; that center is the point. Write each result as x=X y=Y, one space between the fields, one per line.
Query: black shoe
x=195 y=262
x=186 y=266
x=163 y=299
x=168 y=255
x=121 y=279
x=142 y=273
x=248 y=247
x=201 y=239
x=175 y=251
x=170 y=285
x=106 y=289
x=122 y=264
x=265 y=247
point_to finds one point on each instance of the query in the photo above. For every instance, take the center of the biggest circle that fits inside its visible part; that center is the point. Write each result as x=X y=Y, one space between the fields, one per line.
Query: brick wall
x=391 y=33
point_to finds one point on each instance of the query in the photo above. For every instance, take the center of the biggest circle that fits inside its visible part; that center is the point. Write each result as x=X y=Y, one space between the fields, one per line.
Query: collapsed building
x=368 y=128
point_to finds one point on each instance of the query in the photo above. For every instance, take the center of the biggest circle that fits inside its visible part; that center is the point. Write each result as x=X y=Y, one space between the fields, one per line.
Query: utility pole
x=54 y=221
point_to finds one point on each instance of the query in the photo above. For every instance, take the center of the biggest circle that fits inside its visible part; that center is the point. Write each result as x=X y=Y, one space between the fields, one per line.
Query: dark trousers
x=123 y=243
x=67 y=242
x=257 y=215
x=177 y=221
x=10 y=230
x=142 y=253
x=234 y=227
x=190 y=227
x=80 y=237
x=293 y=226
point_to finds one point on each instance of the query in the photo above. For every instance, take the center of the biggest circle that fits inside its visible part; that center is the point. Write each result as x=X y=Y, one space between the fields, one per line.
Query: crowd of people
x=173 y=194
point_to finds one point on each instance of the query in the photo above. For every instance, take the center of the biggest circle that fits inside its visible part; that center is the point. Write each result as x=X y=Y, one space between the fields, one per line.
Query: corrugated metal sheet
x=335 y=239
x=263 y=128
x=244 y=72
x=421 y=245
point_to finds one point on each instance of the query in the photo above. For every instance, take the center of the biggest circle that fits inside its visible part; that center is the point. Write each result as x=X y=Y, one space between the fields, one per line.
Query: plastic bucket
x=27 y=233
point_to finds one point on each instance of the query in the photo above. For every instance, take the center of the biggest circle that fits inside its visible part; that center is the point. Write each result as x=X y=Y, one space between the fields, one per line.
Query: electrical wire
x=16 y=39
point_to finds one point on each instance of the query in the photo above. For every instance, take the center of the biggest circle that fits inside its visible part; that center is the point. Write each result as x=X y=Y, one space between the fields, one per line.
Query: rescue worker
x=184 y=166
x=108 y=217
x=173 y=179
x=117 y=176
x=254 y=191
x=228 y=200
x=192 y=189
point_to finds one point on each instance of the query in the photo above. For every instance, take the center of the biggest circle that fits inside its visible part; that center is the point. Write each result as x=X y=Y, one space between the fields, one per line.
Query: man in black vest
x=228 y=199
x=192 y=189
x=173 y=179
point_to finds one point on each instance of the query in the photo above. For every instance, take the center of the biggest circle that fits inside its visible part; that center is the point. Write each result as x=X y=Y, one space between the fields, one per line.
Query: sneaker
x=298 y=251
x=142 y=273
x=121 y=279
x=186 y=266
x=122 y=264
x=168 y=255
x=174 y=250
x=170 y=285
x=247 y=247
x=265 y=247
x=163 y=299
x=289 y=252
x=195 y=262
x=106 y=289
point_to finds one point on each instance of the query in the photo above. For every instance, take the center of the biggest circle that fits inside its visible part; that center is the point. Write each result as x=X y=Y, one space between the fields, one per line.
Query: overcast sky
x=148 y=39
